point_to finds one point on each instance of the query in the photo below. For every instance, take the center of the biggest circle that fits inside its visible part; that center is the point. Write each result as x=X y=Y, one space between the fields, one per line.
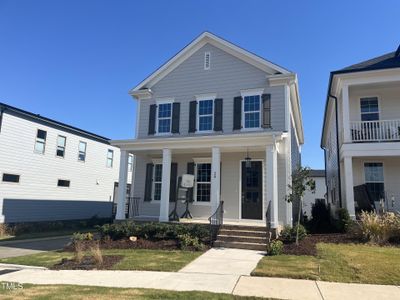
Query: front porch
x=221 y=174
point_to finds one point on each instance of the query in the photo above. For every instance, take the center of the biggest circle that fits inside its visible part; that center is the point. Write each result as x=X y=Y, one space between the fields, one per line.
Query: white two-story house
x=225 y=115
x=361 y=135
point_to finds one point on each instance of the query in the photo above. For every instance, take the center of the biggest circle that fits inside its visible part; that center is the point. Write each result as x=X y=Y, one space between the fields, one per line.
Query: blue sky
x=75 y=61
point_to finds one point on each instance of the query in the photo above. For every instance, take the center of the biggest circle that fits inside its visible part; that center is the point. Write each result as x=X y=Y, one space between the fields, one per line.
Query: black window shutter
x=218 y=114
x=190 y=170
x=149 y=182
x=192 y=116
x=266 y=99
x=237 y=113
x=173 y=181
x=176 y=111
x=152 y=119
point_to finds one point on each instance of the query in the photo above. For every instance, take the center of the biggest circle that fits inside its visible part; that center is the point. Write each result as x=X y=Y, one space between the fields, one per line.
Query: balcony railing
x=375 y=131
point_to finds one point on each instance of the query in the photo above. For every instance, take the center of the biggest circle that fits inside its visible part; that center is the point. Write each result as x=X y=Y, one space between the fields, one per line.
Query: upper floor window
x=164 y=117
x=251 y=111
x=61 y=142
x=206 y=115
x=10 y=178
x=369 y=109
x=110 y=158
x=40 y=142
x=63 y=183
x=207 y=60
x=82 y=151
x=130 y=163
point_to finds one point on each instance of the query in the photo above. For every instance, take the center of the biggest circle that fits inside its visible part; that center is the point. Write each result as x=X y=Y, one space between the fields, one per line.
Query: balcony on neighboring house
x=375 y=131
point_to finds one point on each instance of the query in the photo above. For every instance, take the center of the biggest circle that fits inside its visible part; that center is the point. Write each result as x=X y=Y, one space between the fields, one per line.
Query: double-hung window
x=157 y=179
x=164 y=117
x=82 y=151
x=374 y=179
x=203 y=182
x=369 y=109
x=40 y=141
x=251 y=111
x=110 y=158
x=130 y=163
x=61 y=142
x=205 y=115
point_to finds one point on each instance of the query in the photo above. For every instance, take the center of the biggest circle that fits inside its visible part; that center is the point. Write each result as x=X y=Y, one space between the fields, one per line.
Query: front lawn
x=339 y=263
x=88 y=292
x=137 y=259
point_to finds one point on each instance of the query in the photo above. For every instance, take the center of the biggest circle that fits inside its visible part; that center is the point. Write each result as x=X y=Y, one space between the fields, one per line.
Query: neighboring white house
x=361 y=134
x=320 y=191
x=53 y=171
x=207 y=111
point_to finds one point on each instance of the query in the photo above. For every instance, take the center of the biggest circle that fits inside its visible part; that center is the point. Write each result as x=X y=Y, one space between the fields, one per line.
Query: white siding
x=309 y=197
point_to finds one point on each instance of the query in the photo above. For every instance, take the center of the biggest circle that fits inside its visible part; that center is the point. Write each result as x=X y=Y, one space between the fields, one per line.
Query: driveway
x=32 y=246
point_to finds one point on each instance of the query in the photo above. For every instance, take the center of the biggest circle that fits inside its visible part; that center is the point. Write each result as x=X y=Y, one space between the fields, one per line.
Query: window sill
x=163 y=134
x=198 y=203
x=252 y=129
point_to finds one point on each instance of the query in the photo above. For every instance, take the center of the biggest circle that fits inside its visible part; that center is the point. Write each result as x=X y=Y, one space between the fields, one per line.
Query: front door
x=252 y=195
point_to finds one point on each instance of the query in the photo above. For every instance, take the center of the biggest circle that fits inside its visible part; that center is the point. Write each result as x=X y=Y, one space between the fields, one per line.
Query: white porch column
x=165 y=184
x=123 y=174
x=215 y=178
x=349 y=186
x=271 y=184
x=346 y=114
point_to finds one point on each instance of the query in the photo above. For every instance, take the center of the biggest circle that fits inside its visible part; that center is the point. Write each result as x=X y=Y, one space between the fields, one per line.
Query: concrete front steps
x=242 y=237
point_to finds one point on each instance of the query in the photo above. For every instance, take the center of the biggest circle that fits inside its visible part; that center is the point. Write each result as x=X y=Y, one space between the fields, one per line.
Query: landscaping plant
x=186 y=241
x=97 y=255
x=78 y=251
x=321 y=221
x=380 y=229
x=275 y=248
x=290 y=234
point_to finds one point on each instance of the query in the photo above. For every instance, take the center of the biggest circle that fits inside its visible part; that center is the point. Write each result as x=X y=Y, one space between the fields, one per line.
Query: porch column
x=215 y=178
x=271 y=184
x=349 y=186
x=346 y=114
x=165 y=183
x=123 y=174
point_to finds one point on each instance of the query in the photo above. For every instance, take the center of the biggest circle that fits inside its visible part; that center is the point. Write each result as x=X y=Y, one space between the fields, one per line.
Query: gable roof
x=197 y=43
x=5 y=108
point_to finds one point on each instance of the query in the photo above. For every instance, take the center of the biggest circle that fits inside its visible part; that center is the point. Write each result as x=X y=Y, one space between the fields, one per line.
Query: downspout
x=337 y=148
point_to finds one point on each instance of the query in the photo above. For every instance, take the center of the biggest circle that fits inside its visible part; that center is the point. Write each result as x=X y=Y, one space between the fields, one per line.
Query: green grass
x=138 y=259
x=339 y=263
x=65 y=292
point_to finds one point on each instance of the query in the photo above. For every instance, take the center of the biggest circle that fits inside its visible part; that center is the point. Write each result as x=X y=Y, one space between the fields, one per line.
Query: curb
x=4 y=243
x=21 y=267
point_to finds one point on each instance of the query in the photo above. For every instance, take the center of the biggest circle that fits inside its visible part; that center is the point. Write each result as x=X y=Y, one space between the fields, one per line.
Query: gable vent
x=207 y=60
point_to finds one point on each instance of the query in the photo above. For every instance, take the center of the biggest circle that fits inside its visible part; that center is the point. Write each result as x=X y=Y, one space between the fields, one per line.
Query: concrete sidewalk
x=280 y=288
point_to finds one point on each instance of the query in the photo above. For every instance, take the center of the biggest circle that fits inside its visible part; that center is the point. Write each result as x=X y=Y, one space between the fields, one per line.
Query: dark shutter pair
x=176 y=110
x=149 y=182
x=217 y=115
x=266 y=112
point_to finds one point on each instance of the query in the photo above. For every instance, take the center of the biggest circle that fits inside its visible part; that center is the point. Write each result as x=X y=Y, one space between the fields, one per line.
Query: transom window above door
x=369 y=109
x=205 y=115
x=251 y=111
x=164 y=117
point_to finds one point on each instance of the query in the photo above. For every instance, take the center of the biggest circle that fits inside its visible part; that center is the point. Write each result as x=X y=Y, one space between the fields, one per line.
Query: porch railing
x=375 y=131
x=216 y=221
x=131 y=207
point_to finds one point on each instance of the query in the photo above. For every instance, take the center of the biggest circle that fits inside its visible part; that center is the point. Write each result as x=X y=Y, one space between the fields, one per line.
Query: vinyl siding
x=226 y=77
x=91 y=182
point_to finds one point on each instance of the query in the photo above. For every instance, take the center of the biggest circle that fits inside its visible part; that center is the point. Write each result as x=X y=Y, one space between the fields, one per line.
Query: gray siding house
x=225 y=115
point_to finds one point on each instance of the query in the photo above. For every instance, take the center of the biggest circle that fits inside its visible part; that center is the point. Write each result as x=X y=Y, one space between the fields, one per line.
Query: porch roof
x=238 y=141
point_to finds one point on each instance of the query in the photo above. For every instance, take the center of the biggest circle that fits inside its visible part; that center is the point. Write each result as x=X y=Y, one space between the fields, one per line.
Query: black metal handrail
x=216 y=221
x=132 y=207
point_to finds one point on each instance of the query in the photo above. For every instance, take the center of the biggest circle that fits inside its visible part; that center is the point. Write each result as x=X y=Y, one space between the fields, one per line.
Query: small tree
x=301 y=182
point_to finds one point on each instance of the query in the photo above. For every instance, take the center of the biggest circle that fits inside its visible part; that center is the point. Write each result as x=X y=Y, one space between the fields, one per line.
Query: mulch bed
x=308 y=245
x=88 y=263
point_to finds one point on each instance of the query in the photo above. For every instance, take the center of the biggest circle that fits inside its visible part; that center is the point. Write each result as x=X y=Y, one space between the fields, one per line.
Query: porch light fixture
x=248 y=160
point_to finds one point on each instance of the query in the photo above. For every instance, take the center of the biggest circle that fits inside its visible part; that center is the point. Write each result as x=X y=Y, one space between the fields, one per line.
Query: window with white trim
x=82 y=151
x=252 y=111
x=110 y=158
x=203 y=182
x=164 y=117
x=369 y=109
x=130 y=163
x=207 y=60
x=205 y=115
x=40 y=142
x=373 y=172
x=157 y=180
x=61 y=142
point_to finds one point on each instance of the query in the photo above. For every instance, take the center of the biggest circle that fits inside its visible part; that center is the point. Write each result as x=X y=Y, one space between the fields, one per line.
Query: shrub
x=275 y=248
x=288 y=234
x=380 y=229
x=186 y=241
x=78 y=251
x=344 y=221
x=77 y=236
x=97 y=255
x=321 y=221
x=4 y=230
